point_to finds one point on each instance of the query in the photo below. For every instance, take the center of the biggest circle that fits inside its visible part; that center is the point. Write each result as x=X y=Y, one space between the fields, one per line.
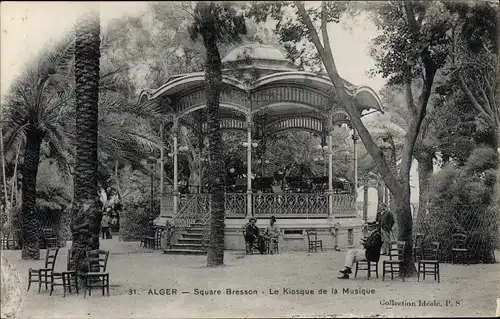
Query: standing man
x=386 y=224
x=105 y=226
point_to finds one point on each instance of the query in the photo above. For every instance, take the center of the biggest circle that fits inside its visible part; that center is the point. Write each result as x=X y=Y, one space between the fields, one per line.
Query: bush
x=461 y=201
x=136 y=212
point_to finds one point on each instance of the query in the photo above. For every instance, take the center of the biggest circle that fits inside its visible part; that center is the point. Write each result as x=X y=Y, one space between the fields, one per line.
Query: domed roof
x=256 y=51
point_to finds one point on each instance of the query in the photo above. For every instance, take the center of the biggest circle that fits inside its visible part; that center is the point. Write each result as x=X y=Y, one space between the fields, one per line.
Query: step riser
x=194 y=236
x=197 y=225
x=189 y=241
x=184 y=252
x=186 y=246
x=194 y=230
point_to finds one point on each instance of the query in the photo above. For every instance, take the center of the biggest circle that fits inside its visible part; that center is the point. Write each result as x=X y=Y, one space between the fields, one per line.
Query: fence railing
x=290 y=203
x=235 y=204
x=297 y=204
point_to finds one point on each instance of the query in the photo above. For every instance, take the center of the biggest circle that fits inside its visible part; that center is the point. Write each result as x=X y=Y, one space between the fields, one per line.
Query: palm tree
x=42 y=101
x=87 y=214
x=215 y=22
x=37 y=101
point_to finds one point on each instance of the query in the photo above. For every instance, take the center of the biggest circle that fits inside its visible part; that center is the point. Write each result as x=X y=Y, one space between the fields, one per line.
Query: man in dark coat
x=252 y=234
x=371 y=252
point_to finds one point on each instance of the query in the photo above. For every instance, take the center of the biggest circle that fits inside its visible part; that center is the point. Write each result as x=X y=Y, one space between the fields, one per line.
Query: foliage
x=461 y=199
x=135 y=213
x=54 y=197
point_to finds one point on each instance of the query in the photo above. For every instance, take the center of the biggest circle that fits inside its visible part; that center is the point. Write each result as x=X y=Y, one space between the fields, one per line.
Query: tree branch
x=349 y=106
x=487 y=106
x=473 y=100
x=324 y=31
x=410 y=14
x=409 y=99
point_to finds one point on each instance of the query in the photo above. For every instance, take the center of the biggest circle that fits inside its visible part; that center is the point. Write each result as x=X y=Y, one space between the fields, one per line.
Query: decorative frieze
x=289 y=94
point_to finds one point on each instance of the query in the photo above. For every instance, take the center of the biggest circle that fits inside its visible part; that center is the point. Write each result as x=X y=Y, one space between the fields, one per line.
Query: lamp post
x=322 y=149
x=152 y=161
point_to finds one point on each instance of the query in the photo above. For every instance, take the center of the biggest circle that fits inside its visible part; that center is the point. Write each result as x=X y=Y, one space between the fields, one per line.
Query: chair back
x=312 y=235
x=430 y=250
x=459 y=241
x=159 y=232
x=419 y=239
x=97 y=260
x=50 y=258
x=396 y=250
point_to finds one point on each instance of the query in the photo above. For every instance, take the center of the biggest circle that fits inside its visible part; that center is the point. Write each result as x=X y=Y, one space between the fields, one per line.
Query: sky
x=27 y=27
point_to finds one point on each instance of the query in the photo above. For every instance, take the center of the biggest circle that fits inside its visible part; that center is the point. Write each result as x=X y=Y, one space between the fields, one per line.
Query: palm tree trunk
x=87 y=214
x=30 y=228
x=14 y=175
x=213 y=82
x=4 y=178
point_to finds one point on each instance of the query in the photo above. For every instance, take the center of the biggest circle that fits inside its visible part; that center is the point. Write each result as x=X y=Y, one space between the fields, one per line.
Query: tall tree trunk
x=380 y=191
x=4 y=178
x=405 y=221
x=14 y=175
x=87 y=213
x=216 y=177
x=424 y=173
x=30 y=228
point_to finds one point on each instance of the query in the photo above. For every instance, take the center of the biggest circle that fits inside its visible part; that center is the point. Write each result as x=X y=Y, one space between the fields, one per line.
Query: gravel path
x=138 y=277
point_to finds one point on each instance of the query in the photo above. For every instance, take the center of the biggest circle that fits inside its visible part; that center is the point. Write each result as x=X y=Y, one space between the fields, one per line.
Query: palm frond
x=115 y=103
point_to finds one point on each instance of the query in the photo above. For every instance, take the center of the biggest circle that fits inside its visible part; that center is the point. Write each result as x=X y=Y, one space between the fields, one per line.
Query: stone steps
x=190 y=242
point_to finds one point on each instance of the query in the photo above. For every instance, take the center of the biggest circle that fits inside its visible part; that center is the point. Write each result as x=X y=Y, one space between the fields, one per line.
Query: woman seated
x=272 y=233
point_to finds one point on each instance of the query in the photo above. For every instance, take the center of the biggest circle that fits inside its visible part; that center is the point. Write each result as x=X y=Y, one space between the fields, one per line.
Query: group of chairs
x=153 y=238
x=427 y=264
x=47 y=239
x=426 y=254
x=95 y=277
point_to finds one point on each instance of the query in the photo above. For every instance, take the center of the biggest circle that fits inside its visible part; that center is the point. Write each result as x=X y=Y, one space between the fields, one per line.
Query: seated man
x=371 y=252
x=272 y=233
x=252 y=234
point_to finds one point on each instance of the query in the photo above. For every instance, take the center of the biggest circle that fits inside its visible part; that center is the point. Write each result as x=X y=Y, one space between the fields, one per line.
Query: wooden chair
x=370 y=266
x=5 y=241
x=148 y=240
x=96 y=277
x=459 y=249
x=250 y=246
x=394 y=264
x=272 y=245
x=429 y=264
x=417 y=246
x=44 y=274
x=312 y=239
x=65 y=278
x=50 y=238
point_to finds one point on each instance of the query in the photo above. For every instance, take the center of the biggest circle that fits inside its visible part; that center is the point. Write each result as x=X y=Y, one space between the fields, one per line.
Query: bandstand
x=263 y=91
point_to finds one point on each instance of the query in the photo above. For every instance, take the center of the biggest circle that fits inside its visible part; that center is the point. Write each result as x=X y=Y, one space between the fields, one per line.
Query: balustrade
x=296 y=204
